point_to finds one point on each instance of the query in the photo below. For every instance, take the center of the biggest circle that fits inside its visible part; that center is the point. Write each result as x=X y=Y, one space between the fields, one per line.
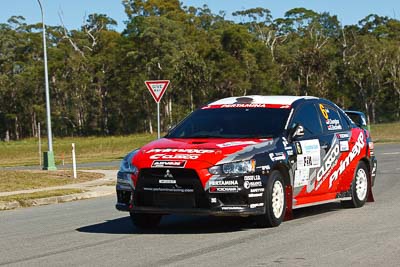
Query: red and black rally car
x=258 y=156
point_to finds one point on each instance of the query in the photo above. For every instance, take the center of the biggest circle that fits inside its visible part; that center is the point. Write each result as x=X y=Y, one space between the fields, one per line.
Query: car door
x=334 y=142
x=309 y=153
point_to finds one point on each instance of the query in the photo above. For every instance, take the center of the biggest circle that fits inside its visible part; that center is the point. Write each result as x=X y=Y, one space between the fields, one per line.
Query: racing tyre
x=275 y=203
x=145 y=221
x=359 y=187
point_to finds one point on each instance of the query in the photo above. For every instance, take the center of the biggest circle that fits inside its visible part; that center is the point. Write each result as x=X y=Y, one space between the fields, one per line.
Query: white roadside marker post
x=74 y=161
x=40 y=144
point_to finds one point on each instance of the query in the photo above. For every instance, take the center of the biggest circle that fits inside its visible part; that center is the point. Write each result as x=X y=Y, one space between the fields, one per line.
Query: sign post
x=157 y=90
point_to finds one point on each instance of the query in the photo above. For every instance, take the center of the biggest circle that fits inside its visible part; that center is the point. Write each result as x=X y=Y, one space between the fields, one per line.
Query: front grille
x=233 y=199
x=187 y=192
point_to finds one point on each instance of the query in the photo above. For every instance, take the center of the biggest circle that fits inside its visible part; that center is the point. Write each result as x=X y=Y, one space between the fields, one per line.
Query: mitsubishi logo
x=168 y=174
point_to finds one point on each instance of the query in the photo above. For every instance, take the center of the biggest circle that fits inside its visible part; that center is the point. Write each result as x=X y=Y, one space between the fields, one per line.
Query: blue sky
x=348 y=11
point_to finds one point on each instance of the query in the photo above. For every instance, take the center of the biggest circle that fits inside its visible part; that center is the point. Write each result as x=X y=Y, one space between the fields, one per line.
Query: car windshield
x=232 y=123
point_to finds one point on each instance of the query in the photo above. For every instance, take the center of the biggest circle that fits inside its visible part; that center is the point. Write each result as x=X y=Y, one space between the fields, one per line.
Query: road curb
x=54 y=200
x=9 y=205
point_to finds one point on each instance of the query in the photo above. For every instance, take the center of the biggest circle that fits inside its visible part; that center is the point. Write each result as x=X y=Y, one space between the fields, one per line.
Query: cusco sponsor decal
x=252 y=177
x=247 y=106
x=180 y=150
x=168 y=163
x=355 y=151
x=182 y=154
x=330 y=161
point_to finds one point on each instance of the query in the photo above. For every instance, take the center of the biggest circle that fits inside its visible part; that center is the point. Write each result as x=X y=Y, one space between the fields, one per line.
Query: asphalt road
x=92 y=233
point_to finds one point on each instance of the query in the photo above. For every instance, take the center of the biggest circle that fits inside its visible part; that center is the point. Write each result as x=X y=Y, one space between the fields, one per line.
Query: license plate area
x=174 y=200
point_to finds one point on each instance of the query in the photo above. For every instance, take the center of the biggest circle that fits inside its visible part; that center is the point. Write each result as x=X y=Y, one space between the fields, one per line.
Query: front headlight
x=241 y=167
x=127 y=168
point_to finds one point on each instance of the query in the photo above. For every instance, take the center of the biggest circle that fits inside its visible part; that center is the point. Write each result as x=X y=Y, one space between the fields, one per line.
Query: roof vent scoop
x=244 y=100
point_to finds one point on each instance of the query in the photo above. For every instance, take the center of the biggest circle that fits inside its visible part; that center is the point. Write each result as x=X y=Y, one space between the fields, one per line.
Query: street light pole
x=48 y=163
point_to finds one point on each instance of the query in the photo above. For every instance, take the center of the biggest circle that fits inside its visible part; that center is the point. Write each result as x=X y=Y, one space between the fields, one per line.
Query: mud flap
x=289 y=203
x=370 y=195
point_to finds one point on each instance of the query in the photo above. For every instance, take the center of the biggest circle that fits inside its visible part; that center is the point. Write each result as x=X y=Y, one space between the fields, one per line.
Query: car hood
x=197 y=153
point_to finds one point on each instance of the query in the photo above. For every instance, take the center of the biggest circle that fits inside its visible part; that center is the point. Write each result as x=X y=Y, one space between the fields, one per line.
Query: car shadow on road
x=316 y=210
x=173 y=224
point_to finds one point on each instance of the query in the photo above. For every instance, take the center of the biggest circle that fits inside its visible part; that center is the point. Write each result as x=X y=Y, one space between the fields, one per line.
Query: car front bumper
x=238 y=198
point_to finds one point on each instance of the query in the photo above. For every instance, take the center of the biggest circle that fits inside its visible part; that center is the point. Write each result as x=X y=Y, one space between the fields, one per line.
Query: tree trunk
x=7 y=138
x=16 y=128
x=150 y=126
x=191 y=100
x=367 y=112
x=373 y=112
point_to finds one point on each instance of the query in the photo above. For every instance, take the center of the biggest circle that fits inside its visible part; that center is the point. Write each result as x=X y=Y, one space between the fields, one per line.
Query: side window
x=345 y=122
x=331 y=119
x=307 y=116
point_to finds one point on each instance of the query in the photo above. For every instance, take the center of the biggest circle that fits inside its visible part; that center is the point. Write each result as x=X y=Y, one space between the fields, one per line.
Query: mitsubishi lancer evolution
x=253 y=156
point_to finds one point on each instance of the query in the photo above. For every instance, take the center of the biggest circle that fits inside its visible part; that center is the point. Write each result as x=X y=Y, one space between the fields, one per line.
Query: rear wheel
x=359 y=187
x=275 y=202
x=145 y=221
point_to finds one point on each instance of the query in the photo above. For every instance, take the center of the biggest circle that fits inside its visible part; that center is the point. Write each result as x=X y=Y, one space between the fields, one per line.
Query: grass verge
x=386 y=132
x=95 y=149
x=88 y=149
x=23 y=180
x=25 y=199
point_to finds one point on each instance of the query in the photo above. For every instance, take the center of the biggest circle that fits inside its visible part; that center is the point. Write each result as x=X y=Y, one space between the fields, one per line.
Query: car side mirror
x=295 y=132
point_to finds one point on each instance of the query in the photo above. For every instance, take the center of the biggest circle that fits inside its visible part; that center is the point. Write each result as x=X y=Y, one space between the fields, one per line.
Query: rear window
x=232 y=123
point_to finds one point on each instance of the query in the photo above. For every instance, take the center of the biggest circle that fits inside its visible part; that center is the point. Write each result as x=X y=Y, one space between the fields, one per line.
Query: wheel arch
x=370 y=196
x=283 y=169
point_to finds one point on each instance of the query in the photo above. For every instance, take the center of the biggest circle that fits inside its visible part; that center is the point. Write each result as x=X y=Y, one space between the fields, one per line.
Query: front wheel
x=145 y=221
x=275 y=202
x=359 y=187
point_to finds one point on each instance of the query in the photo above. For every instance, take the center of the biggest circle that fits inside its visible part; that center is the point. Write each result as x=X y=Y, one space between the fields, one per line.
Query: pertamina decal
x=223 y=182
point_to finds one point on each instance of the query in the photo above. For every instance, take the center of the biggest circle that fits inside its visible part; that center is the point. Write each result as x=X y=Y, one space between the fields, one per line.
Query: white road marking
x=391 y=153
